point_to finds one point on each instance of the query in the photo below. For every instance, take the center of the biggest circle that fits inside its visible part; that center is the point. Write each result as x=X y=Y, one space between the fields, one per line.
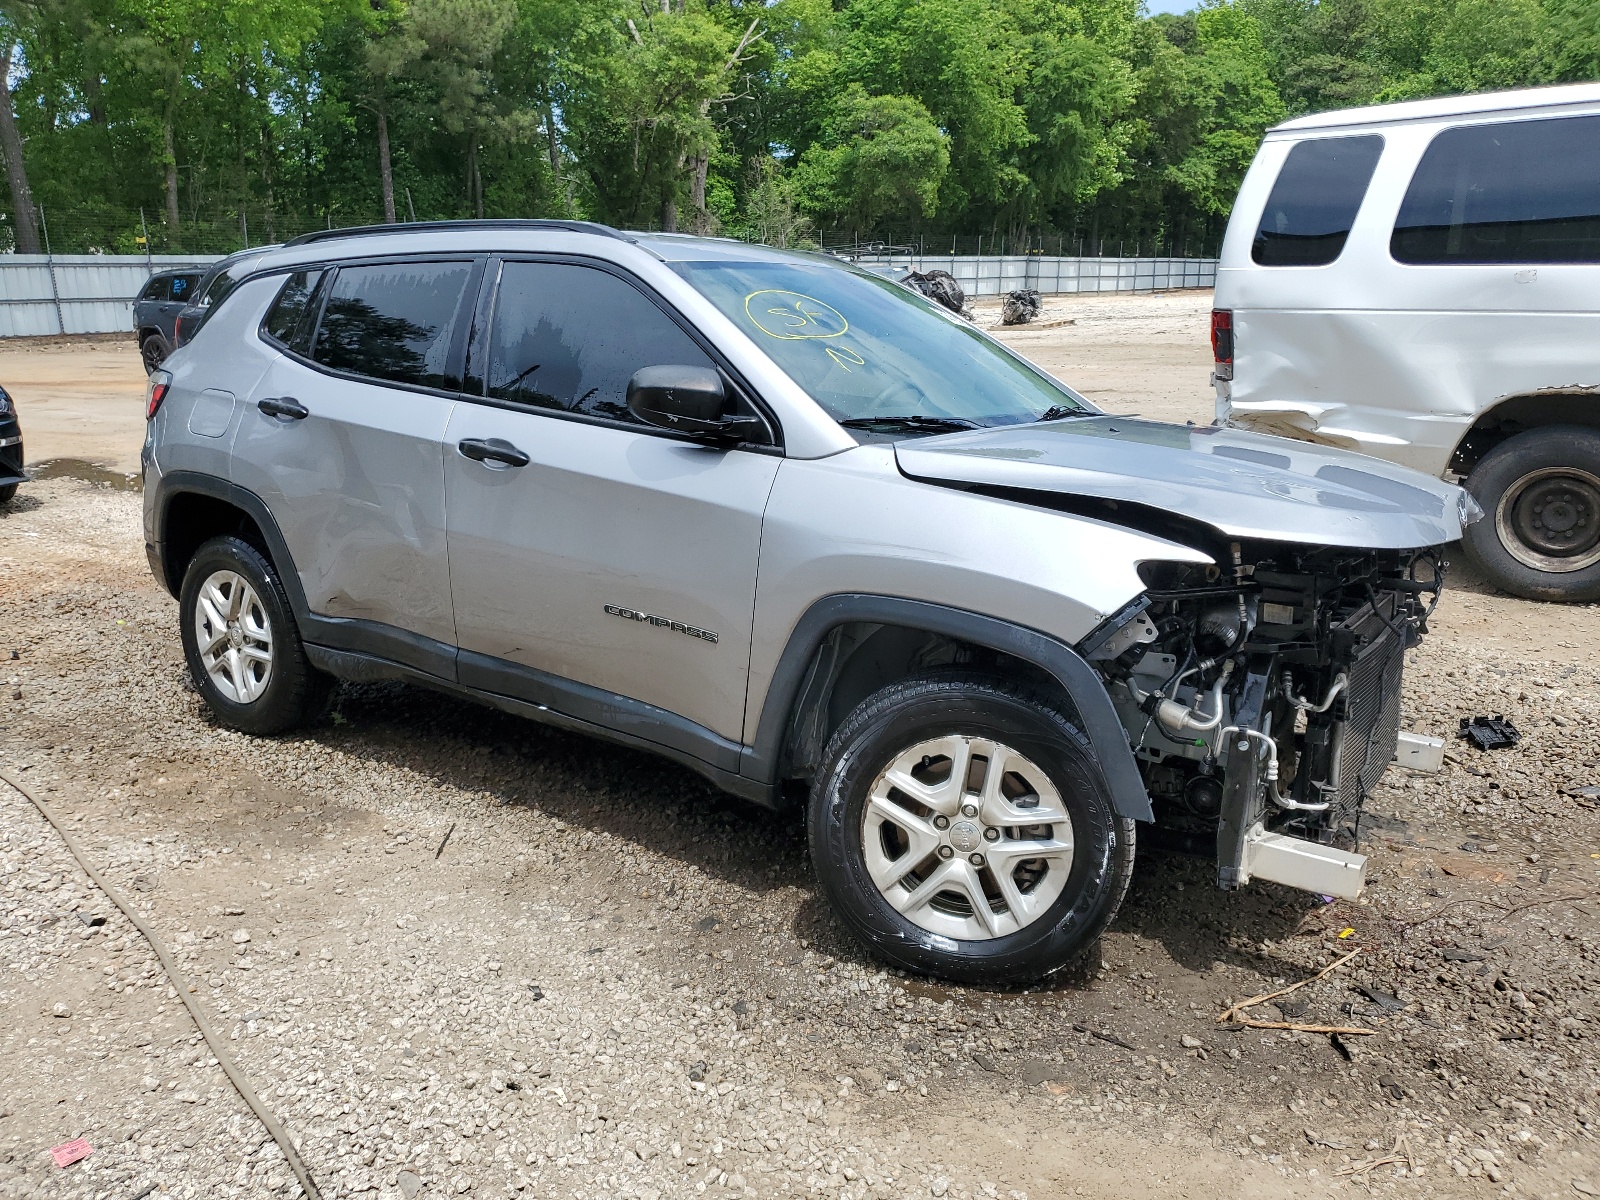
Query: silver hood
x=1245 y=485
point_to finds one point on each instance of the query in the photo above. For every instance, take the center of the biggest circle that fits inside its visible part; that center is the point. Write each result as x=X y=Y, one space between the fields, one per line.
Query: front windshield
x=871 y=351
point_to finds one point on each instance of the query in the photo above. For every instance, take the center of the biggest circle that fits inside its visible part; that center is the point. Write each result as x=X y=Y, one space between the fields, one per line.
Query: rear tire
x=241 y=642
x=7 y=492
x=1540 y=533
x=941 y=865
x=153 y=352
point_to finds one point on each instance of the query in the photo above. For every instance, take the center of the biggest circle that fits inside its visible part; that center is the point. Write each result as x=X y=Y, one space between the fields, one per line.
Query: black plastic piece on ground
x=1489 y=733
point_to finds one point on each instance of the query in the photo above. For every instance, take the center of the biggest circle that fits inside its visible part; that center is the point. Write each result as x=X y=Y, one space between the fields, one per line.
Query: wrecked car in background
x=1421 y=282
x=802 y=530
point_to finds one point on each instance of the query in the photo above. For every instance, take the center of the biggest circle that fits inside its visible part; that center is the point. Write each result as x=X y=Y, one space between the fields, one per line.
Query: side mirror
x=687 y=400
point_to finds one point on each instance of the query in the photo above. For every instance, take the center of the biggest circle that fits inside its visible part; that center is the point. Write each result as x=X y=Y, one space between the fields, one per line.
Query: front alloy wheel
x=960 y=827
x=967 y=838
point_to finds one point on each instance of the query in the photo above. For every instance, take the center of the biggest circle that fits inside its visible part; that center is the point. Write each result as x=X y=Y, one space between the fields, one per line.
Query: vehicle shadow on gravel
x=586 y=782
x=667 y=809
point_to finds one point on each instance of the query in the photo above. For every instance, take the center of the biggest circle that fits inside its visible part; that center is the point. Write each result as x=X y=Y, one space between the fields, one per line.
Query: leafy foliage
x=210 y=122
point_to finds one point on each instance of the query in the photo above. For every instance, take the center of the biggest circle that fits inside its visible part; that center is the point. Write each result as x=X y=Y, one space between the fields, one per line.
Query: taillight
x=156 y=392
x=177 y=331
x=1222 y=341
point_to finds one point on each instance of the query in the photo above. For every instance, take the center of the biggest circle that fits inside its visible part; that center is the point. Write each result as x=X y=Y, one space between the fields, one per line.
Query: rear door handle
x=492 y=450
x=284 y=406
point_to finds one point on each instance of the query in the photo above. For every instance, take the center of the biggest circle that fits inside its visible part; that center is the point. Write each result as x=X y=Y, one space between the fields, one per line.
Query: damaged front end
x=1262 y=700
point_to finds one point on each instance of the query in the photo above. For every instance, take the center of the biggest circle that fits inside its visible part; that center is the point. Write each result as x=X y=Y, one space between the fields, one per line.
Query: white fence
x=78 y=293
x=93 y=293
x=995 y=275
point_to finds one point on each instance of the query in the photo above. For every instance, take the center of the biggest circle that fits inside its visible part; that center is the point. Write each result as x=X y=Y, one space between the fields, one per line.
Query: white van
x=1421 y=282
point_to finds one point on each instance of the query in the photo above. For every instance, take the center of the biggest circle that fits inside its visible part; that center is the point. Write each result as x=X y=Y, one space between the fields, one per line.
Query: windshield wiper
x=910 y=422
x=1058 y=411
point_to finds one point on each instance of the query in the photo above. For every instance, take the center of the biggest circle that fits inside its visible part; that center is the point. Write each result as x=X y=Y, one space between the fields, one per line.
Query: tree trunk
x=385 y=167
x=550 y=137
x=171 y=163
x=477 y=180
x=697 y=192
x=23 y=218
x=669 y=213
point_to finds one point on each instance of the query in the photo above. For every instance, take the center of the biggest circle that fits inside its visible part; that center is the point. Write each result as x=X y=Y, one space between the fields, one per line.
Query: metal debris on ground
x=1489 y=733
x=1020 y=307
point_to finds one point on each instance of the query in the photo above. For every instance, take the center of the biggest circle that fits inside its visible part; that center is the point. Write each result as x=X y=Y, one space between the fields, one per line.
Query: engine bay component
x=1262 y=699
x=1306 y=865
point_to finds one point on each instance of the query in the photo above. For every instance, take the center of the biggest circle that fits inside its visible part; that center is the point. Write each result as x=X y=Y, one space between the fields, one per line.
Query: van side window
x=1315 y=200
x=569 y=338
x=395 y=321
x=288 y=320
x=1510 y=192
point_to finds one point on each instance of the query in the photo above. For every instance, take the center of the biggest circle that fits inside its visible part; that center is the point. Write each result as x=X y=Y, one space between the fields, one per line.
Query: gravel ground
x=463 y=954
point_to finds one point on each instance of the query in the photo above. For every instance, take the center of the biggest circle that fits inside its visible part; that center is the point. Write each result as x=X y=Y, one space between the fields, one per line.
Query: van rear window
x=1315 y=200
x=1509 y=192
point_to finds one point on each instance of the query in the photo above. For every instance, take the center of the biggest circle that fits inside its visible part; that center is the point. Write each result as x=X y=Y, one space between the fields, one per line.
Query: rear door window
x=569 y=338
x=396 y=322
x=1315 y=200
x=1508 y=192
x=182 y=286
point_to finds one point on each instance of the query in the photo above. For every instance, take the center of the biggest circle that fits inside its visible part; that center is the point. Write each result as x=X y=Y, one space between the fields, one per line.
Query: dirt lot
x=463 y=954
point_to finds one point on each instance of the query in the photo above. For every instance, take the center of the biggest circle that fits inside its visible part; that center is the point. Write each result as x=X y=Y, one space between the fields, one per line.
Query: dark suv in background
x=155 y=310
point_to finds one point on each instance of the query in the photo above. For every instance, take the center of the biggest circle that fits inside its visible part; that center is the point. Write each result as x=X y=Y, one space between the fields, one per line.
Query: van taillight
x=1222 y=341
x=156 y=392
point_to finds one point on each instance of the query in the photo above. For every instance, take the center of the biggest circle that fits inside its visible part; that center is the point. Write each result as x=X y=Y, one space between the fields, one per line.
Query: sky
x=1168 y=6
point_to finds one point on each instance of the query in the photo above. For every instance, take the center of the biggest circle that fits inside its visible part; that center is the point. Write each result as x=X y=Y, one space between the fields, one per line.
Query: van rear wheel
x=1540 y=493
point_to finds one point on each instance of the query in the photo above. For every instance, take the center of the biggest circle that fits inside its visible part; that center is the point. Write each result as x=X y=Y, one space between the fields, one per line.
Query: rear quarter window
x=1506 y=192
x=290 y=319
x=1315 y=200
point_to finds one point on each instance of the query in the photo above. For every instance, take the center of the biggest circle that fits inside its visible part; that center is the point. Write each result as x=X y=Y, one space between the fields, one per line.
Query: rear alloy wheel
x=1540 y=492
x=153 y=352
x=241 y=642
x=961 y=828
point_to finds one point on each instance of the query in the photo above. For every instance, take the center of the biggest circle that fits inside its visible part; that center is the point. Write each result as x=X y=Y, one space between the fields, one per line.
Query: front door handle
x=284 y=406
x=492 y=450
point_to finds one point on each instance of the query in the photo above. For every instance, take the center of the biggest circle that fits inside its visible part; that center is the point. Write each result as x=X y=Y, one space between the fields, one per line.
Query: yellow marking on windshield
x=844 y=356
x=793 y=316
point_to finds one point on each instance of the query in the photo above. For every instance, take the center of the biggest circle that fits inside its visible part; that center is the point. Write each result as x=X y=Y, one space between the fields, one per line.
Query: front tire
x=1540 y=534
x=6 y=492
x=241 y=642
x=961 y=828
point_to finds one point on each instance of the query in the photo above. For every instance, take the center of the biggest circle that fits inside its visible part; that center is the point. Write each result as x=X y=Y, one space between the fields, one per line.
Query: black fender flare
x=175 y=483
x=1107 y=738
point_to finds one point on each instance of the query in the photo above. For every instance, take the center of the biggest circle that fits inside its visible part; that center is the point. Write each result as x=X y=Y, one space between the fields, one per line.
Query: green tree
x=880 y=156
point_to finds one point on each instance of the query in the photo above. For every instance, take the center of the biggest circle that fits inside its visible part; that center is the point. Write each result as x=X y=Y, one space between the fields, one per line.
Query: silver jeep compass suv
x=797 y=528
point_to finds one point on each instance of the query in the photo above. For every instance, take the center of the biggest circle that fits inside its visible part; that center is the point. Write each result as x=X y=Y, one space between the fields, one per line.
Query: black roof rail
x=508 y=223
